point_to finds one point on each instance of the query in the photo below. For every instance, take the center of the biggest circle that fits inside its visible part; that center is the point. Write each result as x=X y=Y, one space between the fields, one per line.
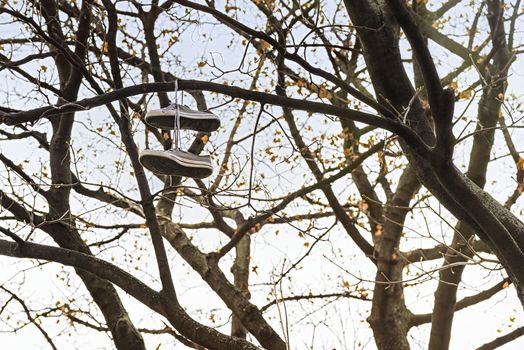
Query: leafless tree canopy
x=367 y=168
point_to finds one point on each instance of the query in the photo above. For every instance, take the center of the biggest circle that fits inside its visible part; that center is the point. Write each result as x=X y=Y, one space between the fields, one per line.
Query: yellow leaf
x=205 y=139
x=173 y=40
x=323 y=93
x=520 y=164
x=105 y=47
x=363 y=206
x=466 y=94
x=505 y=285
x=264 y=46
x=301 y=83
x=230 y=8
x=344 y=134
x=363 y=293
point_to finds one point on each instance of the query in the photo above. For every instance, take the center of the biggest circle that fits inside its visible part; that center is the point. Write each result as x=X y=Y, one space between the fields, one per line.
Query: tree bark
x=389 y=318
x=124 y=333
x=488 y=115
x=491 y=220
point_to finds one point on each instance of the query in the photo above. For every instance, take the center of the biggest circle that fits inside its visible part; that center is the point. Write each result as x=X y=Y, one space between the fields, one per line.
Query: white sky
x=339 y=325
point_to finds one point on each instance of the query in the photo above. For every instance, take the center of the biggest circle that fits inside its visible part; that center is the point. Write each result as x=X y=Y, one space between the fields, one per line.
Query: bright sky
x=338 y=325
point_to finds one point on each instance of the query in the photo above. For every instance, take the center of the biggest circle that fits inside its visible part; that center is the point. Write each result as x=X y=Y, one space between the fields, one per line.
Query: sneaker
x=176 y=163
x=163 y=118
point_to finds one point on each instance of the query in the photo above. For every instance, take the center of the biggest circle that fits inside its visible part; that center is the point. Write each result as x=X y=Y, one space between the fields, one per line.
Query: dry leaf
x=520 y=164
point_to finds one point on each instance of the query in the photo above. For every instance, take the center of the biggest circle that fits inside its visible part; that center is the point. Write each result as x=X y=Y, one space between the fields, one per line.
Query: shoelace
x=177 y=143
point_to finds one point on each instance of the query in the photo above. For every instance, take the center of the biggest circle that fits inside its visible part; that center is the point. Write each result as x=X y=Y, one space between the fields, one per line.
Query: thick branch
x=130 y=284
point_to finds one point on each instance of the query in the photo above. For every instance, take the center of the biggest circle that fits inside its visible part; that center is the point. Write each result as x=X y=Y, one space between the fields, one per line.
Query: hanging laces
x=176 y=132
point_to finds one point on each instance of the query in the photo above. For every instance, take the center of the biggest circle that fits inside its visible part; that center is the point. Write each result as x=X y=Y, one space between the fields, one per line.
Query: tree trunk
x=495 y=224
x=389 y=316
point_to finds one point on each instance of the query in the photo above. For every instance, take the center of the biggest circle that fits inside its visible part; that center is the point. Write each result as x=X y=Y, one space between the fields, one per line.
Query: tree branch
x=417 y=320
x=503 y=340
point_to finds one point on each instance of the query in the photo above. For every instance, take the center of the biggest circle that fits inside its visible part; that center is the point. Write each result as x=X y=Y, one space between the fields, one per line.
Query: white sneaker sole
x=167 y=163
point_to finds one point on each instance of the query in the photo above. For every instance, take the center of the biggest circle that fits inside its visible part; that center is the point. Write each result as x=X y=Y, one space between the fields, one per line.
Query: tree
x=343 y=130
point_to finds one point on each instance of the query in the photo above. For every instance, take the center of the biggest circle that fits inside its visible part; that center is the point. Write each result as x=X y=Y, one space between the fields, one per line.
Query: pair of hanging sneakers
x=175 y=162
